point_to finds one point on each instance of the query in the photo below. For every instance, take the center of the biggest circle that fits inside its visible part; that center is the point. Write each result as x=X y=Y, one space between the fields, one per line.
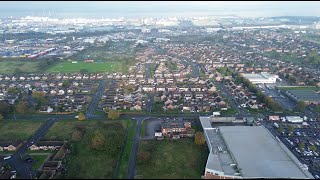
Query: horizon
x=95 y=9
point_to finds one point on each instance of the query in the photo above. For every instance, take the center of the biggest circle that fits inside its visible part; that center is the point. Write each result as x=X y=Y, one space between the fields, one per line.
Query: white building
x=263 y=77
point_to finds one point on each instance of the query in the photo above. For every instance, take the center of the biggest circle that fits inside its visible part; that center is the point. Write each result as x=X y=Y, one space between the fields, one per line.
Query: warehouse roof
x=258 y=154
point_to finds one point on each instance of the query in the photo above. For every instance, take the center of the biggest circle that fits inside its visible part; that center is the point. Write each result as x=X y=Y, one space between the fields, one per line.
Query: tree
x=199 y=138
x=40 y=98
x=66 y=83
x=5 y=108
x=81 y=116
x=22 y=107
x=290 y=129
x=76 y=135
x=301 y=146
x=83 y=71
x=98 y=140
x=280 y=129
x=300 y=106
x=13 y=90
x=113 y=114
x=1 y=117
x=313 y=148
x=143 y=156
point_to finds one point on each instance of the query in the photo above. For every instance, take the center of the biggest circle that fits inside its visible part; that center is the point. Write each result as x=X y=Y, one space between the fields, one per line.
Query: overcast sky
x=259 y=8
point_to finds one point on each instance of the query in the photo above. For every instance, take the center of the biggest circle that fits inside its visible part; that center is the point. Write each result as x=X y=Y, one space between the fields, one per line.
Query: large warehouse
x=261 y=78
x=248 y=152
x=307 y=96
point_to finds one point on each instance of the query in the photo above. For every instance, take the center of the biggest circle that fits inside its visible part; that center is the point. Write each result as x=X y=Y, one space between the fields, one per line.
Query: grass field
x=178 y=159
x=22 y=130
x=9 y=66
x=39 y=160
x=67 y=66
x=85 y=162
x=285 y=88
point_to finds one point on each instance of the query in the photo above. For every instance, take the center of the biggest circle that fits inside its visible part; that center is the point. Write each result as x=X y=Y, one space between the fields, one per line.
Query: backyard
x=171 y=159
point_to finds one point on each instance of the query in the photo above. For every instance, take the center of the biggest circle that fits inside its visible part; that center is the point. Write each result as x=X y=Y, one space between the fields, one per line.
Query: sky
x=131 y=8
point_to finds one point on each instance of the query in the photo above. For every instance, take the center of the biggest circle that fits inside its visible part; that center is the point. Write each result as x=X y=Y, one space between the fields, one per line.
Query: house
x=9 y=146
x=148 y=88
x=174 y=127
x=46 y=145
x=161 y=88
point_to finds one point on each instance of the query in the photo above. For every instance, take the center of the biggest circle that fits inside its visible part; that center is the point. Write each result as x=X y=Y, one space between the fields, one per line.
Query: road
x=96 y=98
x=149 y=102
x=134 y=150
x=23 y=168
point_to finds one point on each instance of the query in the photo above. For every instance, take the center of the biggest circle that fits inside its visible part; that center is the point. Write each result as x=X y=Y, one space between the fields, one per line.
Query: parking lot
x=281 y=98
x=302 y=139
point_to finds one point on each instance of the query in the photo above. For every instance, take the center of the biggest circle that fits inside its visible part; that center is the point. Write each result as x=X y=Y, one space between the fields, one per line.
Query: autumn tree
x=199 y=138
x=40 y=98
x=81 y=116
x=22 y=107
x=143 y=156
x=113 y=114
x=76 y=135
x=98 y=141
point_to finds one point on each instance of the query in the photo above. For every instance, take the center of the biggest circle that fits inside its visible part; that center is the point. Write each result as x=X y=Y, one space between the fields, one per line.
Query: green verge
x=131 y=126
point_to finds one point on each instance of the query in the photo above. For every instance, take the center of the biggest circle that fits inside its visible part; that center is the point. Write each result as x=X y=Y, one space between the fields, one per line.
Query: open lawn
x=172 y=159
x=39 y=160
x=22 y=130
x=94 y=67
x=10 y=66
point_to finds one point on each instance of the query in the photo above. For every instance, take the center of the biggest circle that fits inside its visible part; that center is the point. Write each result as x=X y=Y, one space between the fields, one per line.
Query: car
x=6 y=158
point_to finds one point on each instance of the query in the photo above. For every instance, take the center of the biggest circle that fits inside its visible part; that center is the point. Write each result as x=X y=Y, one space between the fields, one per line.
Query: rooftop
x=258 y=154
x=305 y=95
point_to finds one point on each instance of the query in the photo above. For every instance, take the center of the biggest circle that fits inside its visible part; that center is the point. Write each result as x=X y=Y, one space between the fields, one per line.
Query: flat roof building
x=263 y=77
x=248 y=152
x=307 y=96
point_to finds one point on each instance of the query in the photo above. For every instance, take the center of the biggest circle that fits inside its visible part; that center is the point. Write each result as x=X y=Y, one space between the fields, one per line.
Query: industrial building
x=238 y=152
x=261 y=78
x=307 y=96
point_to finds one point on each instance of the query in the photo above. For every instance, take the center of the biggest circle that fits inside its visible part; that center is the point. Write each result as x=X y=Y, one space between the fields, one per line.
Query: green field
x=67 y=66
x=39 y=160
x=22 y=130
x=285 y=88
x=85 y=162
x=10 y=66
x=172 y=159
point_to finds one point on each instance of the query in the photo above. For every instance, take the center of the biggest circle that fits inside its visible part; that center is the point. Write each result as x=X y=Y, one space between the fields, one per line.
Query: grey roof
x=305 y=95
x=258 y=154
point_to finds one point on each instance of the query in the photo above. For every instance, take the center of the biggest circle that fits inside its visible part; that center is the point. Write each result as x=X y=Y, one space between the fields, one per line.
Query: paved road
x=96 y=98
x=149 y=103
x=23 y=168
x=134 y=150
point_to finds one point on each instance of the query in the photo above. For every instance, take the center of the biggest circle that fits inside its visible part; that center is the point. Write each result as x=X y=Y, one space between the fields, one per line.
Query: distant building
x=263 y=77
